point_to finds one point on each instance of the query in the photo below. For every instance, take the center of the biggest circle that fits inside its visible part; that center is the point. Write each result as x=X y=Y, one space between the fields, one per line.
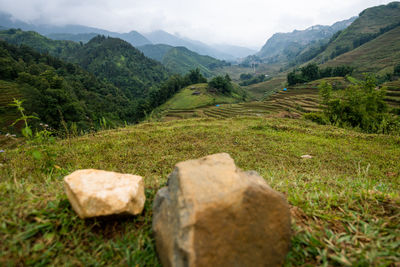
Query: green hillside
x=181 y=60
x=42 y=44
x=377 y=56
x=120 y=63
x=156 y=52
x=370 y=24
x=56 y=91
x=107 y=58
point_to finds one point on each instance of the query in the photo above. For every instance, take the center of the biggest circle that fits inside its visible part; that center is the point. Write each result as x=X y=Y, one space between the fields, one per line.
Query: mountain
x=284 y=47
x=108 y=58
x=378 y=55
x=156 y=52
x=71 y=32
x=370 y=24
x=162 y=37
x=237 y=51
x=56 y=91
x=79 y=37
x=181 y=60
x=82 y=33
x=222 y=52
x=120 y=63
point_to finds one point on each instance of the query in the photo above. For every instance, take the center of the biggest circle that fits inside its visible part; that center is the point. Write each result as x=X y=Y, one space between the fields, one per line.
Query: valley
x=316 y=112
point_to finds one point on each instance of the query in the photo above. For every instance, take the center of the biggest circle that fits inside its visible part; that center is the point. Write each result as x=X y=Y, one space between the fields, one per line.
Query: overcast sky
x=239 y=22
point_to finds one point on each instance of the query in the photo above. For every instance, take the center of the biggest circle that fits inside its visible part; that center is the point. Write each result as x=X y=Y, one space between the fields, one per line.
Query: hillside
x=284 y=47
x=162 y=37
x=120 y=63
x=187 y=103
x=56 y=91
x=371 y=23
x=377 y=56
x=181 y=60
x=107 y=58
x=156 y=52
x=40 y=43
x=344 y=201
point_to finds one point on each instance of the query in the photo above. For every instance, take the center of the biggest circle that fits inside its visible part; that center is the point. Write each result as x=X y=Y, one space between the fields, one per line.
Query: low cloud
x=248 y=23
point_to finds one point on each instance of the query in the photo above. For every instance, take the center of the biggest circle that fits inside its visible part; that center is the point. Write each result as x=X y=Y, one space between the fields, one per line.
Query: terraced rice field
x=393 y=94
x=294 y=101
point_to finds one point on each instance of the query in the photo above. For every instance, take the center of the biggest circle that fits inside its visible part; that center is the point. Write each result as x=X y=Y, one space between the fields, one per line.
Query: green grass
x=186 y=100
x=345 y=200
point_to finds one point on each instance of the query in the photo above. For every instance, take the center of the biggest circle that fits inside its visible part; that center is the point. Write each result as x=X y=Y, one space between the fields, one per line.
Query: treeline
x=370 y=36
x=60 y=92
x=65 y=96
x=221 y=85
x=249 y=79
x=160 y=95
x=359 y=106
x=312 y=72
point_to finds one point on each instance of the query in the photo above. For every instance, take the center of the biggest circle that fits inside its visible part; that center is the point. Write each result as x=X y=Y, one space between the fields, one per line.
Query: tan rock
x=95 y=193
x=214 y=214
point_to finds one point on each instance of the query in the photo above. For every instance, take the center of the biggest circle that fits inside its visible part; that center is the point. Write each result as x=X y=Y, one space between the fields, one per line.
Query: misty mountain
x=110 y=59
x=79 y=37
x=370 y=24
x=80 y=33
x=283 y=47
x=181 y=60
x=222 y=52
x=71 y=32
x=162 y=37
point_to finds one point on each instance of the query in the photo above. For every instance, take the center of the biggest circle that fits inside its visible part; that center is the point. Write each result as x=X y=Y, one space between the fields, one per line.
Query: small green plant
x=39 y=141
x=27 y=130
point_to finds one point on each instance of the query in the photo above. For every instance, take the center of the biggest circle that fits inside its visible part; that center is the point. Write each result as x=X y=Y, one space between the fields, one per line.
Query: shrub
x=316 y=117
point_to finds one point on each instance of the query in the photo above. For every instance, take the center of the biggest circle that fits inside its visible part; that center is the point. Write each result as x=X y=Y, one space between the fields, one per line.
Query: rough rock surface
x=214 y=214
x=95 y=193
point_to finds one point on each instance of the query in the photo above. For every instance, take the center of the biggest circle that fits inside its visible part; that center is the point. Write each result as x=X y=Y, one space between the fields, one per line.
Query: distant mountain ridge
x=181 y=60
x=371 y=23
x=282 y=47
x=83 y=34
x=108 y=58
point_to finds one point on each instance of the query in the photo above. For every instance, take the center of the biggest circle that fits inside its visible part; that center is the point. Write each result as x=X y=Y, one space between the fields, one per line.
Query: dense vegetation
x=358 y=106
x=56 y=91
x=312 y=72
x=107 y=58
x=249 y=79
x=221 y=84
x=180 y=60
x=65 y=96
x=120 y=63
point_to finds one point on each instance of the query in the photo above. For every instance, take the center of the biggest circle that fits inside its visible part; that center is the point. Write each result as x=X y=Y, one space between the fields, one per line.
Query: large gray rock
x=214 y=214
x=95 y=193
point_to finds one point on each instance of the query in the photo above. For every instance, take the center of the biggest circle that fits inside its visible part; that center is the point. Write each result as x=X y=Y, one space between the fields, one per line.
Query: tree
x=396 y=71
x=360 y=106
x=221 y=84
x=310 y=72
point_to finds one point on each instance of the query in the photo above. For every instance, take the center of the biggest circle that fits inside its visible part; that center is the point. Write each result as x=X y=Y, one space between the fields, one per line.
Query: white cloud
x=238 y=22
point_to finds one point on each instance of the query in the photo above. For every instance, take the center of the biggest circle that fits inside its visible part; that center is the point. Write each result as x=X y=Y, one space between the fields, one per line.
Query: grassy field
x=345 y=200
